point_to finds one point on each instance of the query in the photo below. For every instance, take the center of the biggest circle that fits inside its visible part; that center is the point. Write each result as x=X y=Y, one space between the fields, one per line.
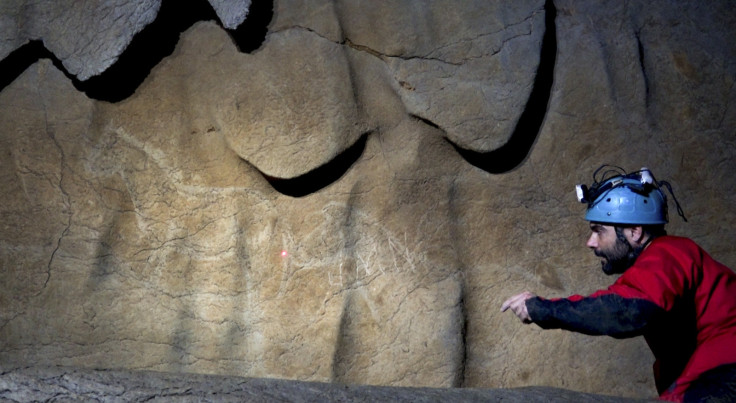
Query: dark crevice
x=343 y=346
x=251 y=34
x=426 y=121
x=147 y=48
x=515 y=151
x=151 y=45
x=14 y=64
x=460 y=380
x=640 y=48
x=322 y=176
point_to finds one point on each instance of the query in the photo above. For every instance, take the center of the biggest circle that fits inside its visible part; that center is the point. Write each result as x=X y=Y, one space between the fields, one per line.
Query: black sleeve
x=609 y=314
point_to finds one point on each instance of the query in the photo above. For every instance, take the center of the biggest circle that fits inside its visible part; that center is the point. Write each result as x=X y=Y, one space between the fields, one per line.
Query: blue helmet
x=624 y=204
x=625 y=199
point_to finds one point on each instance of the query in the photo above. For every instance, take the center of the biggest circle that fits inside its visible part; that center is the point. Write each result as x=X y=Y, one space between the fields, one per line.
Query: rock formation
x=69 y=384
x=343 y=191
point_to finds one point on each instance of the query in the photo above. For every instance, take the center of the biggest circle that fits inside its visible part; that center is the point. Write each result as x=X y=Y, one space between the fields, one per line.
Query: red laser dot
x=283 y=253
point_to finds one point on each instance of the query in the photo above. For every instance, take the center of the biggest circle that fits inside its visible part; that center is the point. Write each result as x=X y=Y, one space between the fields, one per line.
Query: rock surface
x=70 y=384
x=88 y=37
x=352 y=200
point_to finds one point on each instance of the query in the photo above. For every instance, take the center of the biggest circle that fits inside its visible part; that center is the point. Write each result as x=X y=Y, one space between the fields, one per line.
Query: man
x=670 y=291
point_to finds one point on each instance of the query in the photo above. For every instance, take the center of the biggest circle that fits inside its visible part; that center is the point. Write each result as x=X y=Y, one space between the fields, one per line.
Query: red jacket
x=681 y=300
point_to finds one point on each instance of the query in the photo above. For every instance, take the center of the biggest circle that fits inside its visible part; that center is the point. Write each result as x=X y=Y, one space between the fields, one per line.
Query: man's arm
x=605 y=314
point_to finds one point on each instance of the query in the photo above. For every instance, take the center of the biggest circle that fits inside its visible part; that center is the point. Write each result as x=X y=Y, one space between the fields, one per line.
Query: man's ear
x=637 y=234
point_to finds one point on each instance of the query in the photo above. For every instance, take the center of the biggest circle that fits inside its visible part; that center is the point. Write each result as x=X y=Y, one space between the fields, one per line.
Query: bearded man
x=670 y=290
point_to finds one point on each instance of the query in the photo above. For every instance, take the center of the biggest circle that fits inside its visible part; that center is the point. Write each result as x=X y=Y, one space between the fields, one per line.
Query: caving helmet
x=626 y=199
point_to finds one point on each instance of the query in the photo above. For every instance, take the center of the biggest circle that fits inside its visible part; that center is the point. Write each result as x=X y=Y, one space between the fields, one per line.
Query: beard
x=619 y=258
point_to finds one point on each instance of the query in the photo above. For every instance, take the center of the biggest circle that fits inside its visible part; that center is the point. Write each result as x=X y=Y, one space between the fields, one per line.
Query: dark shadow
x=640 y=49
x=251 y=34
x=426 y=121
x=14 y=64
x=147 y=48
x=344 y=349
x=459 y=380
x=515 y=151
x=322 y=176
x=151 y=45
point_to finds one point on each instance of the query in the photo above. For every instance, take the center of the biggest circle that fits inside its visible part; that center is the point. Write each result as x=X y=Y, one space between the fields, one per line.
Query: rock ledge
x=75 y=384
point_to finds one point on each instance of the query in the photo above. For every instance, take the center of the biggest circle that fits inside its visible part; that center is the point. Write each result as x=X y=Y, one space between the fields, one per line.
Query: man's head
x=626 y=211
x=620 y=246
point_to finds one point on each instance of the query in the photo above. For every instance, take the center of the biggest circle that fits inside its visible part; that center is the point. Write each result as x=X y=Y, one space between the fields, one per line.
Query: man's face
x=617 y=253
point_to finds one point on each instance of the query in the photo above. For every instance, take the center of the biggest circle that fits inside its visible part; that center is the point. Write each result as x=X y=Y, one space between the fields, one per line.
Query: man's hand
x=517 y=303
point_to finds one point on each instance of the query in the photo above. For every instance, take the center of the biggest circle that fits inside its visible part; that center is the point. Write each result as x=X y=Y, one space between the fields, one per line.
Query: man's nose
x=592 y=242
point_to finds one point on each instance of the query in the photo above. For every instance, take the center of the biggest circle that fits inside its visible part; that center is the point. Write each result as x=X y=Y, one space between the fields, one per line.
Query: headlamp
x=646 y=176
x=589 y=195
x=582 y=192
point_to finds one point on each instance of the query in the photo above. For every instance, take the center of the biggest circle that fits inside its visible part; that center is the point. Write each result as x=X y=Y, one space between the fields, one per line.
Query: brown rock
x=147 y=234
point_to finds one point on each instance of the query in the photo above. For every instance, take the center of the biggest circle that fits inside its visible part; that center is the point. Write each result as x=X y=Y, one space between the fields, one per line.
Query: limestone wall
x=343 y=191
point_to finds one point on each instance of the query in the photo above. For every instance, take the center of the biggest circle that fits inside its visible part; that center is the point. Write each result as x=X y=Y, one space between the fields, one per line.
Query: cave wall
x=343 y=191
